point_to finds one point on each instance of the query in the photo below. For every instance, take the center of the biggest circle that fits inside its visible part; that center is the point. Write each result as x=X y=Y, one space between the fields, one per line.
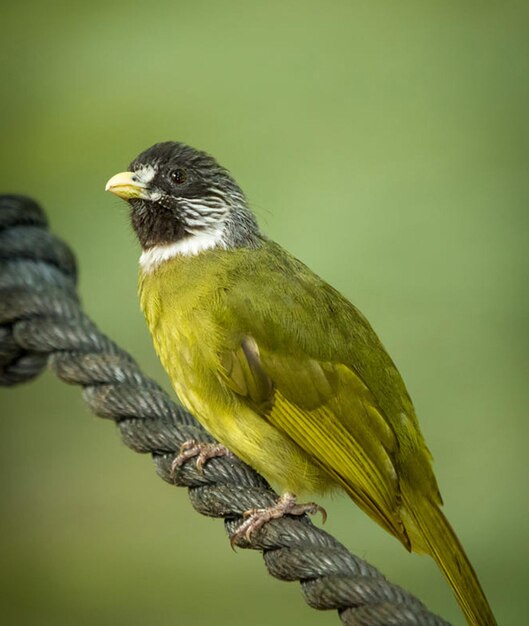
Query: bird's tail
x=431 y=532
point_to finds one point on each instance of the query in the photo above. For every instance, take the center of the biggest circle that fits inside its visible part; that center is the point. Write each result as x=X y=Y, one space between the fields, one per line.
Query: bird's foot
x=202 y=451
x=254 y=519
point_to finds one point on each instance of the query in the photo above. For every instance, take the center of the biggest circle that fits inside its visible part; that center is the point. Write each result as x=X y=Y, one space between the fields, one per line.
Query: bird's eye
x=178 y=176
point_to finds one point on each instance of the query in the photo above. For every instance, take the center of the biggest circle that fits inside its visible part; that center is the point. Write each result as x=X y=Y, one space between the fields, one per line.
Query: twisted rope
x=41 y=323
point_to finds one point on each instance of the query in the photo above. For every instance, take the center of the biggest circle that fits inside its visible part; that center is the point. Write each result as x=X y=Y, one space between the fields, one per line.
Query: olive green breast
x=178 y=300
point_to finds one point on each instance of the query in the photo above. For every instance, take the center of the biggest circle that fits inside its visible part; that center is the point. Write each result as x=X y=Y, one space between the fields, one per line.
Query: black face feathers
x=188 y=194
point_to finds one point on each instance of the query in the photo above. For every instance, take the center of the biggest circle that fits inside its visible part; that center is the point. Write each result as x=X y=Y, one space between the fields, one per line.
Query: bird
x=276 y=364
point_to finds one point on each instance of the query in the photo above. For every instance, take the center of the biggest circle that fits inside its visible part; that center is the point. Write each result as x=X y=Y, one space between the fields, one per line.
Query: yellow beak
x=126 y=186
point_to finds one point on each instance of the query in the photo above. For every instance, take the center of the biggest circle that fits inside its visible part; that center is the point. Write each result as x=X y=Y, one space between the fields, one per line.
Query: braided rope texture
x=42 y=324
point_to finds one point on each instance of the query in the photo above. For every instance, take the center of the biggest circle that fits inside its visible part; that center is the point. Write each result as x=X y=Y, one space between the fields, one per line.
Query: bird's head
x=183 y=199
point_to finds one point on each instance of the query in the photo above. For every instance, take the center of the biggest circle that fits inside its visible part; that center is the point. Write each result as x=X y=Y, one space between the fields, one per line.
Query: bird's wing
x=327 y=410
x=306 y=360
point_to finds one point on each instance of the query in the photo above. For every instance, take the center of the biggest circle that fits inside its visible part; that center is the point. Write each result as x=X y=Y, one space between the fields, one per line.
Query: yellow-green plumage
x=289 y=375
x=275 y=363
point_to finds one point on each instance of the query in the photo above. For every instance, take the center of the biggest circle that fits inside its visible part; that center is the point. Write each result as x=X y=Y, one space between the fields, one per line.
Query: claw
x=254 y=519
x=203 y=452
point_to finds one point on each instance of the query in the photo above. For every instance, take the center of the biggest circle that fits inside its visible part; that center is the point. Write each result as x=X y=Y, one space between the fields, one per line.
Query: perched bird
x=276 y=364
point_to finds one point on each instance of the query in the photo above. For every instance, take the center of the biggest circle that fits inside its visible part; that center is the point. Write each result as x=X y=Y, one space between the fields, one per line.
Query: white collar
x=189 y=246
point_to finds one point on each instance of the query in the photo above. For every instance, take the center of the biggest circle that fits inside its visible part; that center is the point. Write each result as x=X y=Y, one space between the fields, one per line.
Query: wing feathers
x=328 y=411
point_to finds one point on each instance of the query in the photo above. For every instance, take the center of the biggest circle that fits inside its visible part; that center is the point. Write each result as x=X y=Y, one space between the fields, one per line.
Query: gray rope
x=41 y=323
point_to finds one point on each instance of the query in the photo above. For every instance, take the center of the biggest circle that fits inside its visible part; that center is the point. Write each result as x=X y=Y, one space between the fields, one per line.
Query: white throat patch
x=189 y=246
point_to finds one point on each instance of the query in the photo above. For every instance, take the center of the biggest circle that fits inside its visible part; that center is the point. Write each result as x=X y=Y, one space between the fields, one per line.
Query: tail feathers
x=437 y=538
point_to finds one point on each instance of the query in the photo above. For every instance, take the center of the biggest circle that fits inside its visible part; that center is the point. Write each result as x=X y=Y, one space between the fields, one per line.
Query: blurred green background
x=386 y=145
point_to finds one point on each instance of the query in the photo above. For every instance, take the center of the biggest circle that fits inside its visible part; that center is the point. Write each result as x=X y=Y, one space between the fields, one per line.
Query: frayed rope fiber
x=42 y=323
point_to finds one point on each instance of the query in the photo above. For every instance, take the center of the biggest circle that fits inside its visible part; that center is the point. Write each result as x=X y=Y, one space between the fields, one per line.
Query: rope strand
x=41 y=323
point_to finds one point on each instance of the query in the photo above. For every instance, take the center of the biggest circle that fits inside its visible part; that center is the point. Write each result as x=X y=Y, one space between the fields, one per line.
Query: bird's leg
x=203 y=451
x=254 y=519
